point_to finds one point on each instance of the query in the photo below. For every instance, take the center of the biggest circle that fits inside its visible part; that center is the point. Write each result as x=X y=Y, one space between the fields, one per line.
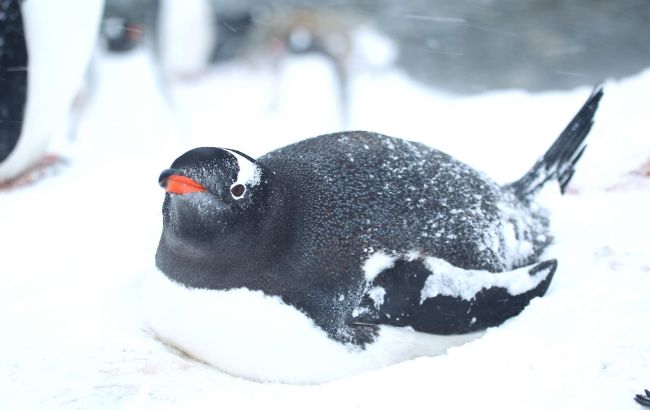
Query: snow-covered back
x=76 y=246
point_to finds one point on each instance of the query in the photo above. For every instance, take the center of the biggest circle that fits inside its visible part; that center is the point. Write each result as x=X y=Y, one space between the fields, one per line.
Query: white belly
x=248 y=334
x=61 y=37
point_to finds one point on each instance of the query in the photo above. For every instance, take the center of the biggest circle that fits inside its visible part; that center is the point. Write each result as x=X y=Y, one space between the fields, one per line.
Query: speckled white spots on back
x=490 y=241
x=249 y=173
x=516 y=249
x=449 y=280
x=515 y=229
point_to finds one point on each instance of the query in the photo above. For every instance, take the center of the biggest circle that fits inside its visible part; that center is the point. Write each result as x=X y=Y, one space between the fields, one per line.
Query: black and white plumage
x=346 y=252
x=45 y=48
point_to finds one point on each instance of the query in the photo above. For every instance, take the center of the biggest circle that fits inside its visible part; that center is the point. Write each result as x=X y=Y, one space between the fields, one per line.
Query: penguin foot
x=48 y=165
x=643 y=400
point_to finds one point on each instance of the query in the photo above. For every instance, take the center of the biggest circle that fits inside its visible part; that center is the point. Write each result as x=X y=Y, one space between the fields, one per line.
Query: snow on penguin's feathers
x=346 y=252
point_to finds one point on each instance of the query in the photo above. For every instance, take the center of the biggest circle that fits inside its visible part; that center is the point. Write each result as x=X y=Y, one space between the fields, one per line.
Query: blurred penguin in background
x=186 y=37
x=45 y=48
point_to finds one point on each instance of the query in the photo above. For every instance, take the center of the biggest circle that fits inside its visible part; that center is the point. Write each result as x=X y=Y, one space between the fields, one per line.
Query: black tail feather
x=643 y=400
x=559 y=161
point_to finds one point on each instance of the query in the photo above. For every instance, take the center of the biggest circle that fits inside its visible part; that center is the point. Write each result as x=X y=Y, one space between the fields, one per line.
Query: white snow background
x=74 y=246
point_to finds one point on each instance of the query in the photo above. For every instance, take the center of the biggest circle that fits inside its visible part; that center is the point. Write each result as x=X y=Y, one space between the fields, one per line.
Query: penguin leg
x=432 y=296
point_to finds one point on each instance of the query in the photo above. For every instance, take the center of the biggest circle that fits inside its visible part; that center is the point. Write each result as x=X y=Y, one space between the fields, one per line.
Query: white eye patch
x=237 y=190
x=249 y=174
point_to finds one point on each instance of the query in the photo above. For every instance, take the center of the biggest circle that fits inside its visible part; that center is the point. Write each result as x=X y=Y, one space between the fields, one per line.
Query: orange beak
x=179 y=184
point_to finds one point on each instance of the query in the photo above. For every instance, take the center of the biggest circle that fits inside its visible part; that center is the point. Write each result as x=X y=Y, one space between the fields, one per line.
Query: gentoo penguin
x=346 y=252
x=45 y=47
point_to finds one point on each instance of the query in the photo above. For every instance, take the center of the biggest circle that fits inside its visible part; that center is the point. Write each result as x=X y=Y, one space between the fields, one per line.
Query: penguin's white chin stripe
x=249 y=334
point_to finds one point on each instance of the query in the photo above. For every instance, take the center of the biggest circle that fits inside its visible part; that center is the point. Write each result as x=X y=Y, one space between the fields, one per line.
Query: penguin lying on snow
x=346 y=252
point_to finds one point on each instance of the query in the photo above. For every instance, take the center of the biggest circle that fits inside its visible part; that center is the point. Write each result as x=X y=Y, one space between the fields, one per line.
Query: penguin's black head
x=212 y=192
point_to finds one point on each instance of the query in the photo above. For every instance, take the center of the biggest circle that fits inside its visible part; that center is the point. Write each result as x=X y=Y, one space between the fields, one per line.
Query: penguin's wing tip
x=548 y=267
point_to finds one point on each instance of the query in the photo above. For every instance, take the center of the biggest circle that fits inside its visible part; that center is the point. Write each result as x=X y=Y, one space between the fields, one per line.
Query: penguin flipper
x=435 y=297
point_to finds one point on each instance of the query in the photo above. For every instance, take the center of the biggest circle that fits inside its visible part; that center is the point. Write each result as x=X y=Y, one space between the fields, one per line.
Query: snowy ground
x=74 y=246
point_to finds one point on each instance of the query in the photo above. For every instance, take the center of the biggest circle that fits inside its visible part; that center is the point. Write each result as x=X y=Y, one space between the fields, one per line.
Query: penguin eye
x=237 y=190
